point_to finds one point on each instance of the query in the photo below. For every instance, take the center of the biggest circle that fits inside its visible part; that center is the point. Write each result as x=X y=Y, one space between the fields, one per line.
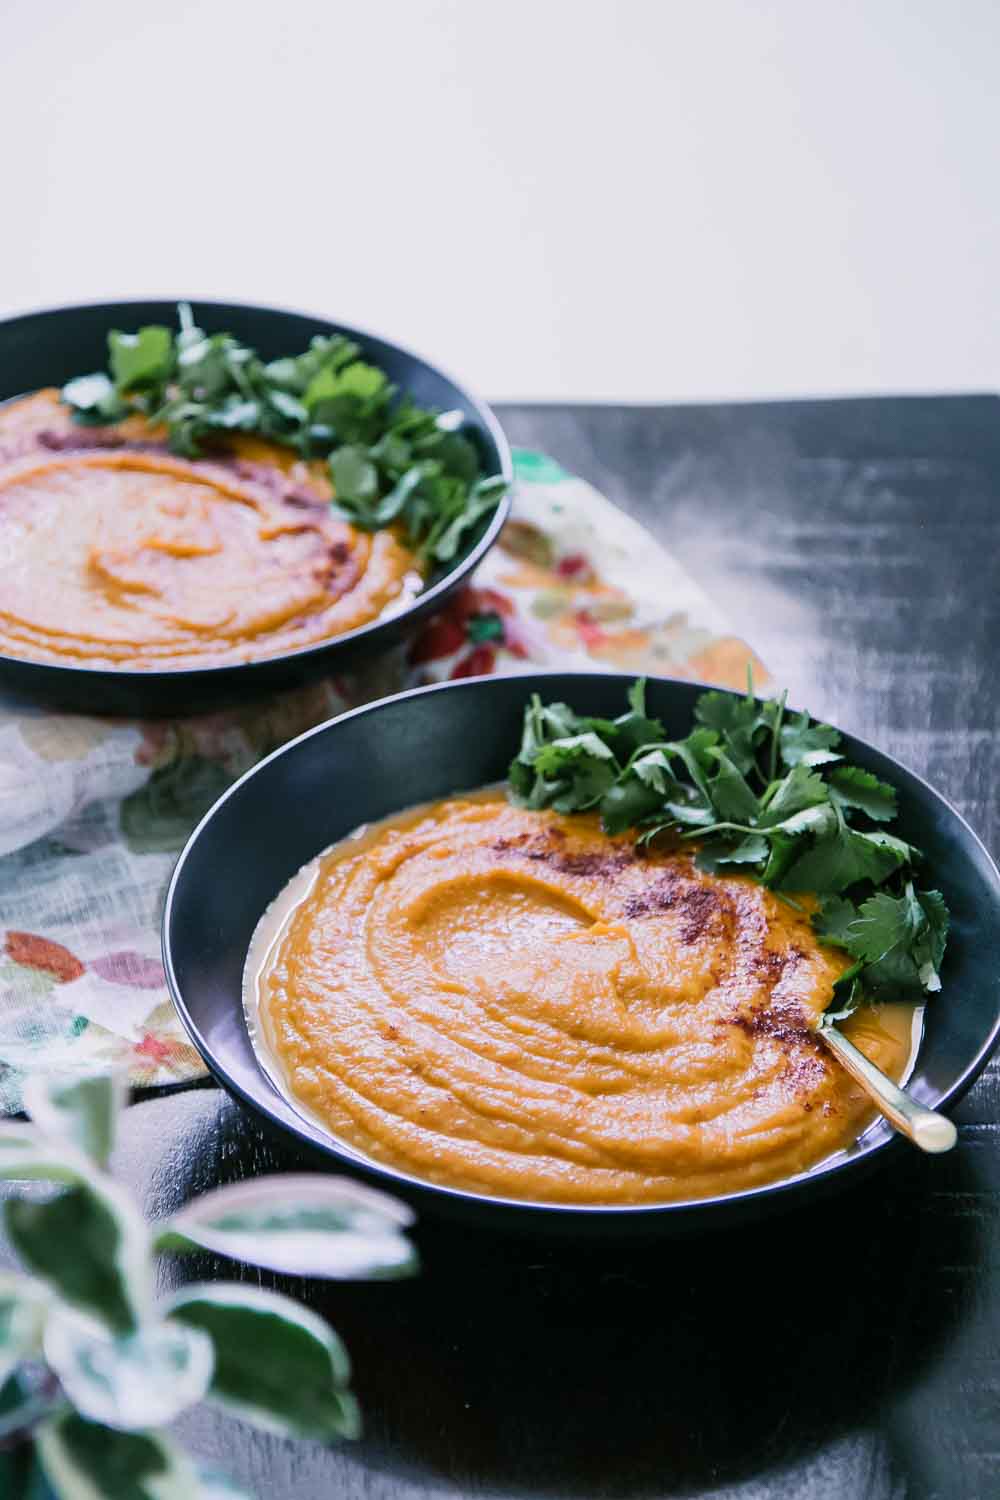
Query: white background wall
x=596 y=199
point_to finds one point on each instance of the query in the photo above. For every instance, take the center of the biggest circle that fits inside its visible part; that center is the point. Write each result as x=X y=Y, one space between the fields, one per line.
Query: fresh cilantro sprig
x=391 y=461
x=763 y=793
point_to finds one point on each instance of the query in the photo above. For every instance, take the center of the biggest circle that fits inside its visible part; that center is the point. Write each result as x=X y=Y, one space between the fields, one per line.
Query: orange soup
x=515 y=1003
x=117 y=553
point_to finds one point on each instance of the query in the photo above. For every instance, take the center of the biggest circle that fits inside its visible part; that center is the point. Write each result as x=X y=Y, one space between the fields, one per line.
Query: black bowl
x=49 y=347
x=429 y=743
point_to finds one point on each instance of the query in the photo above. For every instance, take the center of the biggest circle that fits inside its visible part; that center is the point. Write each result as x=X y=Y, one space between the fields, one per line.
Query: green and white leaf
x=277 y=1364
x=27 y=1155
x=24 y=1306
x=85 y=1461
x=82 y=1111
x=304 y=1224
x=90 y=1244
x=136 y=1381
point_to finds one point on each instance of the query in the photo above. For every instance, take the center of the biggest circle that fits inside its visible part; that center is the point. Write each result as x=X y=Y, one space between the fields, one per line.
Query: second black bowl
x=49 y=347
x=436 y=741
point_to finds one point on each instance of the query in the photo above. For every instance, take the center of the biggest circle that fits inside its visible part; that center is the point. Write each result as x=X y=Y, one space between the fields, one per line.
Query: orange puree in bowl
x=117 y=553
x=514 y=1003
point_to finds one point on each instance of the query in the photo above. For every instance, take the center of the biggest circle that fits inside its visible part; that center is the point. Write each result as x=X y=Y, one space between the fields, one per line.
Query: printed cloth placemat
x=94 y=811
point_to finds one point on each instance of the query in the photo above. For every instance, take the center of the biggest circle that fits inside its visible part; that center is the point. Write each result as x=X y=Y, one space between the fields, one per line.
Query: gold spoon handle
x=924 y=1127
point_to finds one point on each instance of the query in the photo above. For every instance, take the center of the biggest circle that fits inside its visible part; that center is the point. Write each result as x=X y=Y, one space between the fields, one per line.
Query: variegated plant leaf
x=277 y=1364
x=303 y=1224
x=81 y=1110
x=132 y=1382
x=84 y=1461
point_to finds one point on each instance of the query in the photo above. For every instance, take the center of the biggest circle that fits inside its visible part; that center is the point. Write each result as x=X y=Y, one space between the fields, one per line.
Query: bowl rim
x=421 y=602
x=830 y=1169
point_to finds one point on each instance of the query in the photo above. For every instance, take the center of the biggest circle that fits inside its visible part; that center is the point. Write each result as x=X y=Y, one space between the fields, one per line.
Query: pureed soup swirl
x=119 y=553
x=512 y=1002
x=197 y=506
x=497 y=993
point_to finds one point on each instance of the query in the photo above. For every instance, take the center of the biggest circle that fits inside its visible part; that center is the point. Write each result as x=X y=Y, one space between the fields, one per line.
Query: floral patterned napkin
x=94 y=811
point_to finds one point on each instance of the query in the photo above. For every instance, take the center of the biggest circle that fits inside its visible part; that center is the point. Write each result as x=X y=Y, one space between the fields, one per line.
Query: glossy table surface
x=848 y=1350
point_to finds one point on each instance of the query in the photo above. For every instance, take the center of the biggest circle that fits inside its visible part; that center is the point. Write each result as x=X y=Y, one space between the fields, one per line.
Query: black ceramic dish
x=436 y=741
x=49 y=347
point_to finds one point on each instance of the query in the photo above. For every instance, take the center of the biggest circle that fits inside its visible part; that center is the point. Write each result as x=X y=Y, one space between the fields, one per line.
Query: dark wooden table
x=847 y=1352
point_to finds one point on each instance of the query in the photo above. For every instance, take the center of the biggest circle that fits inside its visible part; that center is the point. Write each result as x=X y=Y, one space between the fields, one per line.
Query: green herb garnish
x=764 y=794
x=390 y=460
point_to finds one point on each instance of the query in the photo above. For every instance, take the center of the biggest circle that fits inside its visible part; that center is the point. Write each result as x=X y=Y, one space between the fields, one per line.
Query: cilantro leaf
x=841 y=858
x=695 y=755
x=749 y=851
x=357 y=383
x=573 y=746
x=141 y=361
x=900 y=940
x=804 y=743
x=295 y=374
x=573 y=773
x=783 y=850
x=635 y=728
x=731 y=797
x=795 y=792
x=904 y=852
x=833 y=920
x=653 y=768
x=94 y=400
x=882 y=936
x=457 y=456
x=848 y=994
x=820 y=820
x=850 y=786
x=627 y=804
x=482 y=502
x=563 y=761
x=930 y=939
x=797 y=836
x=736 y=720
x=391 y=461
x=355 y=478
x=584 y=785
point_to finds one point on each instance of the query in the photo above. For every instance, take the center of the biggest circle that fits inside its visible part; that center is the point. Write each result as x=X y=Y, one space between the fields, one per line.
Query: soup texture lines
x=119 y=553
x=514 y=1003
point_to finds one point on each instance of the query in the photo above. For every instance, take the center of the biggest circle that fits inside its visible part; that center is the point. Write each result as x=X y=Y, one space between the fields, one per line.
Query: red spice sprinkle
x=548 y=847
x=79 y=438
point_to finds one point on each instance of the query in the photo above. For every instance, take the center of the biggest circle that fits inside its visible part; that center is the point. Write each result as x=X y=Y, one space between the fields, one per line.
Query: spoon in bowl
x=924 y=1127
